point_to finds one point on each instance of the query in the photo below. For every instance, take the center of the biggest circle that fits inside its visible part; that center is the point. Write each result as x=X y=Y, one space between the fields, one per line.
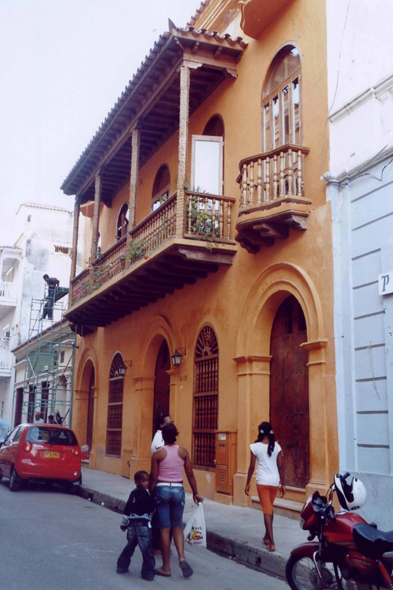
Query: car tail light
x=27 y=446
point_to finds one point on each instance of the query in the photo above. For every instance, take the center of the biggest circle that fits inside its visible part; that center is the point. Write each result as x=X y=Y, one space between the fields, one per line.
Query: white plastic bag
x=195 y=529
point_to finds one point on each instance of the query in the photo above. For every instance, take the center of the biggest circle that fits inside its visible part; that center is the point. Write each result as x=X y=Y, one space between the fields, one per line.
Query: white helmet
x=350 y=495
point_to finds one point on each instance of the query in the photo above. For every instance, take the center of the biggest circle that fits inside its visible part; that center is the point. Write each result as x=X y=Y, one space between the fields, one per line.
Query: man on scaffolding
x=52 y=283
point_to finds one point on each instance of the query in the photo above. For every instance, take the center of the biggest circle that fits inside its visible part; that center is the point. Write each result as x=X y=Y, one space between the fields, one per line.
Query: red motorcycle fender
x=305 y=550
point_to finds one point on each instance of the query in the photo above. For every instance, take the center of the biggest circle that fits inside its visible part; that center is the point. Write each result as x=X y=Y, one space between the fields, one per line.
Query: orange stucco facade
x=240 y=301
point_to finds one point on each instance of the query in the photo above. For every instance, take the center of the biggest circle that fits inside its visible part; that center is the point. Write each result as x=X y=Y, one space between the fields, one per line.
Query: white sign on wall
x=385 y=283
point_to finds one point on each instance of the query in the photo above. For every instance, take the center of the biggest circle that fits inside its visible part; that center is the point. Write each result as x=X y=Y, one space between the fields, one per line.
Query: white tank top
x=267 y=470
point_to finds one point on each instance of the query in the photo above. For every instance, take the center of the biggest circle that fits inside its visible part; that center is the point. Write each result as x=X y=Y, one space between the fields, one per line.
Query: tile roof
x=198 y=12
x=50 y=207
x=165 y=41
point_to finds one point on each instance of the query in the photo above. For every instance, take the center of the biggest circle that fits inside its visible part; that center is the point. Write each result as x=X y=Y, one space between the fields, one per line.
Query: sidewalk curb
x=260 y=558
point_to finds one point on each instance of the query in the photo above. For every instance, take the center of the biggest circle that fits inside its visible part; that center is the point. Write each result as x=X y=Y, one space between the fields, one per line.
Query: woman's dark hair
x=160 y=420
x=169 y=433
x=265 y=429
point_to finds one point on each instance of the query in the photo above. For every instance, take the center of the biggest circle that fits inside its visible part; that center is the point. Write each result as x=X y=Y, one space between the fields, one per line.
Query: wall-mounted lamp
x=122 y=370
x=177 y=356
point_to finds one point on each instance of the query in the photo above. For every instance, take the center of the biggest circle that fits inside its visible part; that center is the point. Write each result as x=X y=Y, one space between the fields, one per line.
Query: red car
x=43 y=452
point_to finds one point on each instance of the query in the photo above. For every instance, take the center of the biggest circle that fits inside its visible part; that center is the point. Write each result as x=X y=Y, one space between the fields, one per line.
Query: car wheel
x=48 y=485
x=14 y=481
x=72 y=489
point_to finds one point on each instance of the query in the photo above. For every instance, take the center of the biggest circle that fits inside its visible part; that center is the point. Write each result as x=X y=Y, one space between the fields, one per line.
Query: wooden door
x=18 y=406
x=161 y=383
x=289 y=413
x=90 y=412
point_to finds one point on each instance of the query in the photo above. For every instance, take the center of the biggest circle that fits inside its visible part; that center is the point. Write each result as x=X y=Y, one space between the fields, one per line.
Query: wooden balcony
x=272 y=197
x=151 y=262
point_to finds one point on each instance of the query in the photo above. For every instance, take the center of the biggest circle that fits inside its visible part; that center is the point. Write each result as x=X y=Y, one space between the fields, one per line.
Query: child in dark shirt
x=136 y=521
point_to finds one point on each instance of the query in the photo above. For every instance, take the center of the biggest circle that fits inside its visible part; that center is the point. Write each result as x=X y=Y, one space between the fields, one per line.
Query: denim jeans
x=48 y=308
x=138 y=533
x=170 y=505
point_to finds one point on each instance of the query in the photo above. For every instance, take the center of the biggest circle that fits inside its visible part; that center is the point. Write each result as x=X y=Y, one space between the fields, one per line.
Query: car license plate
x=52 y=455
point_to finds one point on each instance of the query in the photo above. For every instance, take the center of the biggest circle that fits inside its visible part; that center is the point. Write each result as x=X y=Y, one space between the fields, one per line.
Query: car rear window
x=51 y=436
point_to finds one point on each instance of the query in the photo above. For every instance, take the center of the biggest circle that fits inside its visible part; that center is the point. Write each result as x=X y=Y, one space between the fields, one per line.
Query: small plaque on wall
x=385 y=283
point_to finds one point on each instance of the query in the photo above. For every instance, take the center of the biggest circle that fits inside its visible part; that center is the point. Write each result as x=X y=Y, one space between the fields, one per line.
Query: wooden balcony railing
x=267 y=179
x=208 y=218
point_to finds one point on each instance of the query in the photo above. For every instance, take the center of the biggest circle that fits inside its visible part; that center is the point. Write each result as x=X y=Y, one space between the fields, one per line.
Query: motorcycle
x=348 y=553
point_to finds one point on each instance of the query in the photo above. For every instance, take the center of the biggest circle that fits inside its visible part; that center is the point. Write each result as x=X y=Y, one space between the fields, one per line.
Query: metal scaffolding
x=48 y=356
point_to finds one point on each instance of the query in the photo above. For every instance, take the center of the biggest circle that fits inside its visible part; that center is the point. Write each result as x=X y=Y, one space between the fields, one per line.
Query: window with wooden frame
x=115 y=408
x=281 y=101
x=207 y=164
x=122 y=221
x=161 y=187
x=205 y=419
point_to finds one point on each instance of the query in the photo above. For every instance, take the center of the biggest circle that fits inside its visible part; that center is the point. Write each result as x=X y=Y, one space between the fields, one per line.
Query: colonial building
x=211 y=237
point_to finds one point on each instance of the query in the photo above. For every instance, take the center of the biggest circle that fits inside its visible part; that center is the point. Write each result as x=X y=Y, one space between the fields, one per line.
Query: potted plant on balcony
x=122 y=259
x=135 y=251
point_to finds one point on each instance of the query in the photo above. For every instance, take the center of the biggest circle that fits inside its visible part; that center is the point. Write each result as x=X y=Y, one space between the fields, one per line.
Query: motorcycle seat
x=372 y=542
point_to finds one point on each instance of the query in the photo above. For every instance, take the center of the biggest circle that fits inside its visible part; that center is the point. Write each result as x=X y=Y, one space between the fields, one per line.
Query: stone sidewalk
x=231 y=531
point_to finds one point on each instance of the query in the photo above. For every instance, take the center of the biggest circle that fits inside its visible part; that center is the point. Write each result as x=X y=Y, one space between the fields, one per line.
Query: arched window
x=161 y=187
x=281 y=96
x=214 y=126
x=115 y=408
x=205 y=420
x=122 y=221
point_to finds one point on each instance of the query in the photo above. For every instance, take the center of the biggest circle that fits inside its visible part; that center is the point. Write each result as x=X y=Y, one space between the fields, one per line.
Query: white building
x=359 y=185
x=42 y=246
x=44 y=367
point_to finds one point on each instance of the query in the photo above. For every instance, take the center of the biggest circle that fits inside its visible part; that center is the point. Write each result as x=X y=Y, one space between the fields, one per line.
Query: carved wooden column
x=183 y=148
x=135 y=141
x=97 y=201
x=75 y=239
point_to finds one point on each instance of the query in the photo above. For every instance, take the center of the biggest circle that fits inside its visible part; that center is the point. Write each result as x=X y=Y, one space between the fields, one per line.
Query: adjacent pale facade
x=42 y=246
x=359 y=186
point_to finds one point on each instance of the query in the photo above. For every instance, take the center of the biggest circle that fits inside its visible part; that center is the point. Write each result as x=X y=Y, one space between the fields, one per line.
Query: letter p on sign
x=385 y=283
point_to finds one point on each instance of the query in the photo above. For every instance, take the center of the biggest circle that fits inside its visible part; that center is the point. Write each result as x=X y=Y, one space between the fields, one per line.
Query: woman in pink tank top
x=166 y=481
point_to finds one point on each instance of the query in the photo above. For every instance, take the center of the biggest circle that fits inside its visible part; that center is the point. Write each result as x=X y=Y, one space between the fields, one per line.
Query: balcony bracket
x=262 y=228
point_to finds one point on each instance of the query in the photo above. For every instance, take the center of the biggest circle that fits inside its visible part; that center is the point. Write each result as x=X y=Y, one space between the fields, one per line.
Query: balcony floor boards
x=170 y=269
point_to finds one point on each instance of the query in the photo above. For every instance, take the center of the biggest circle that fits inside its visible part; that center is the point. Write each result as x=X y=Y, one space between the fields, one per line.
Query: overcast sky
x=63 y=64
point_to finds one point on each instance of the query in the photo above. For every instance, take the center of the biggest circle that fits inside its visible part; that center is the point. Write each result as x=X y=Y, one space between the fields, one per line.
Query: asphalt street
x=54 y=541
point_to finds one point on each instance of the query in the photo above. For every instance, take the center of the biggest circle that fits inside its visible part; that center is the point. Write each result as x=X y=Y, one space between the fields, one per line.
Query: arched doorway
x=161 y=383
x=90 y=412
x=289 y=397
